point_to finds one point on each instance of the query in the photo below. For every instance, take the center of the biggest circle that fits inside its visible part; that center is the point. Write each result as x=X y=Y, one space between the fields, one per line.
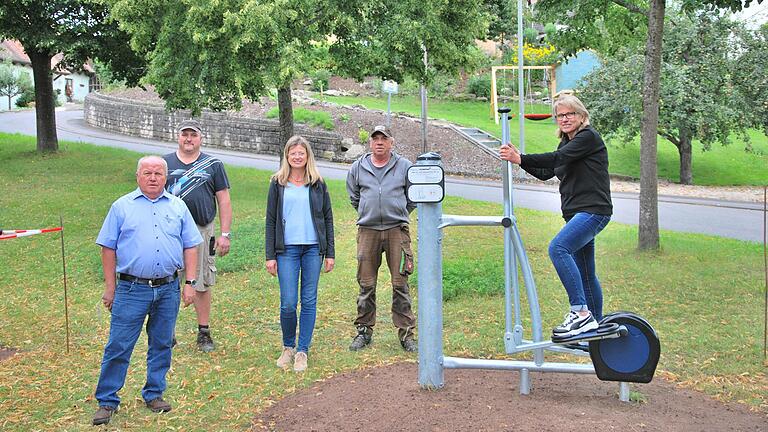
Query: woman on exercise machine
x=581 y=164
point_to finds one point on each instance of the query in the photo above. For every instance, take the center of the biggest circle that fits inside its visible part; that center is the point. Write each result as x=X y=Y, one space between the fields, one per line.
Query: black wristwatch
x=192 y=282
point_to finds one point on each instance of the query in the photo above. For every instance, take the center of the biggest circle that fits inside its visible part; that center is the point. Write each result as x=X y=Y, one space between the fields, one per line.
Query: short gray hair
x=148 y=157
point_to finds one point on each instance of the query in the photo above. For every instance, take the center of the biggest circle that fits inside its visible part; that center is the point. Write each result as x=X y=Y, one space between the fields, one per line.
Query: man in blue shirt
x=147 y=237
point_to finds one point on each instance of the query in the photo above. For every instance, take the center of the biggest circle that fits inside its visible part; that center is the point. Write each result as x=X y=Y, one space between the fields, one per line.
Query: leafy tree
x=502 y=20
x=388 y=39
x=618 y=27
x=76 y=28
x=212 y=54
x=13 y=82
x=697 y=100
x=750 y=79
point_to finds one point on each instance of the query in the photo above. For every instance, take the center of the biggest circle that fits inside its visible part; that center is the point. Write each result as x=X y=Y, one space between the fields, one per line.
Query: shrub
x=320 y=79
x=309 y=117
x=27 y=97
x=442 y=85
x=531 y=35
x=480 y=85
x=362 y=135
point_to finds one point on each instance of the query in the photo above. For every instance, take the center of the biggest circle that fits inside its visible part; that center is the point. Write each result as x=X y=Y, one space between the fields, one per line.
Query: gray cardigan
x=380 y=204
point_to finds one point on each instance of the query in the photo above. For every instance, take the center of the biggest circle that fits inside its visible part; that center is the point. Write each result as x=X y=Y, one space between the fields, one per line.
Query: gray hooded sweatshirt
x=380 y=200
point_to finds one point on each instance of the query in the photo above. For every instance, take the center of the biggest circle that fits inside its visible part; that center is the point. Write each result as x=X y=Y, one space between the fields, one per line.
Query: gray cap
x=381 y=129
x=190 y=124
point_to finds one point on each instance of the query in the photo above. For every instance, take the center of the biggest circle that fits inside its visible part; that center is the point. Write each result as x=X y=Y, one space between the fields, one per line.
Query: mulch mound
x=389 y=398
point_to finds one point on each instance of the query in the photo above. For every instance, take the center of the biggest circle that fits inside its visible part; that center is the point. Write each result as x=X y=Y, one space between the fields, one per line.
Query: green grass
x=310 y=117
x=702 y=294
x=720 y=166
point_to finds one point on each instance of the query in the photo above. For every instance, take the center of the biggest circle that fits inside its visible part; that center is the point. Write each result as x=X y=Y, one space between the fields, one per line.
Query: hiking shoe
x=285 y=357
x=575 y=324
x=363 y=338
x=409 y=345
x=158 y=405
x=300 y=362
x=103 y=415
x=204 y=341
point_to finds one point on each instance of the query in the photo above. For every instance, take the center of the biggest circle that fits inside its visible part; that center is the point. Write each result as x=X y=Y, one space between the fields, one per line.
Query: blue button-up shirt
x=149 y=236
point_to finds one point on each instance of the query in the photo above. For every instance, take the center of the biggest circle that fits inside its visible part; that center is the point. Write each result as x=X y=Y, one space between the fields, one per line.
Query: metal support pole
x=423 y=92
x=624 y=392
x=430 y=290
x=520 y=71
x=513 y=333
x=64 y=272
x=525 y=382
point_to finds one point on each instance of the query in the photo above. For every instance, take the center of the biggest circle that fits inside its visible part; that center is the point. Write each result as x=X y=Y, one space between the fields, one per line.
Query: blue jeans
x=304 y=260
x=133 y=302
x=572 y=252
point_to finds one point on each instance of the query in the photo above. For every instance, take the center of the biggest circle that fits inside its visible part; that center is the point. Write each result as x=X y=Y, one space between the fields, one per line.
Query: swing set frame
x=552 y=85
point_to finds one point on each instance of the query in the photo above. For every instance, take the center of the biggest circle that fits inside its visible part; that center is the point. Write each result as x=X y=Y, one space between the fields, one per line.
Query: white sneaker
x=286 y=357
x=575 y=324
x=300 y=362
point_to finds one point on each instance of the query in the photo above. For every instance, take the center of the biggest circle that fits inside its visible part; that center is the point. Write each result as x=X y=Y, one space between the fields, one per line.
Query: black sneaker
x=409 y=344
x=363 y=338
x=204 y=341
x=575 y=324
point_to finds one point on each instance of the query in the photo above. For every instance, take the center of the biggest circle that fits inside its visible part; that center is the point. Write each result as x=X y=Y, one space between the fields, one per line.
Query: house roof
x=14 y=51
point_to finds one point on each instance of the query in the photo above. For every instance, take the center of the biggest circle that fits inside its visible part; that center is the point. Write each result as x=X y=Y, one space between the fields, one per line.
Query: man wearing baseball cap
x=376 y=185
x=200 y=180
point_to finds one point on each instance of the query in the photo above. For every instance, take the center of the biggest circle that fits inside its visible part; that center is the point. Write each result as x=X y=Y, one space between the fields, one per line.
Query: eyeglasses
x=568 y=115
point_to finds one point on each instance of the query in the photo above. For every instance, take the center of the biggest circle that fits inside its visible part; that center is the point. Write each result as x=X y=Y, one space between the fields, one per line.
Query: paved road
x=739 y=220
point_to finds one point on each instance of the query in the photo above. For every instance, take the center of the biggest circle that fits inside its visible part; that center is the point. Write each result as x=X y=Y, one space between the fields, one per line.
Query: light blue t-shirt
x=297 y=216
x=149 y=236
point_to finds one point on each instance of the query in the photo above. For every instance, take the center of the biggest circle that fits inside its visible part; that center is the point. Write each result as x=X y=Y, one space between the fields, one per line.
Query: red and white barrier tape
x=9 y=234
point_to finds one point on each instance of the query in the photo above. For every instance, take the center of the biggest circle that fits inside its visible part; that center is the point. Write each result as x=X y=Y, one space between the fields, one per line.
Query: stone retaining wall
x=220 y=129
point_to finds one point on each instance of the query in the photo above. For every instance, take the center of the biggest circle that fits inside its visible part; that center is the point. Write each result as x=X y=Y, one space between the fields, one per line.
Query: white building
x=81 y=82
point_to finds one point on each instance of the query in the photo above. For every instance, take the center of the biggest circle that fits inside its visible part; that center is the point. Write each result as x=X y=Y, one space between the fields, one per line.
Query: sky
x=755 y=15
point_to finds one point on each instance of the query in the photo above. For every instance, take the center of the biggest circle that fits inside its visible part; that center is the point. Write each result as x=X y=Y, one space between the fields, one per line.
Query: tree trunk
x=45 y=108
x=686 y=157
x=648 y=232
x=285 y=110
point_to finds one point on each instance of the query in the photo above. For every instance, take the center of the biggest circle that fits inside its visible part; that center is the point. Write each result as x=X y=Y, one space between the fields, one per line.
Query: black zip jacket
x=581 y=164
x=322 y=217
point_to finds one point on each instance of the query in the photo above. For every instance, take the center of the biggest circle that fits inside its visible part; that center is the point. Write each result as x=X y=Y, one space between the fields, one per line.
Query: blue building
x=570 y=73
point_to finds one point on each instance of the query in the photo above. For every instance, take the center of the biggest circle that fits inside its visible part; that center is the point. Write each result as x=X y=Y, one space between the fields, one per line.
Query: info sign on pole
x=389 y=87
x=426 y=184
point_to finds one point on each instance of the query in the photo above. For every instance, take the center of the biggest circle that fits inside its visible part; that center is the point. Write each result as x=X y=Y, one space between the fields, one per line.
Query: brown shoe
x=103 y=415
x=159 y=405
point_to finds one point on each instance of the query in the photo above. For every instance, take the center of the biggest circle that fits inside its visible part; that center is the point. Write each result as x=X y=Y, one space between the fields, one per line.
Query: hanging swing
x=535 y=116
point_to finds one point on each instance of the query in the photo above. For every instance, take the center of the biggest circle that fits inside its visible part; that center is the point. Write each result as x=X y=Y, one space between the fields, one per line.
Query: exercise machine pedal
x=609 y=330
x=630 y=358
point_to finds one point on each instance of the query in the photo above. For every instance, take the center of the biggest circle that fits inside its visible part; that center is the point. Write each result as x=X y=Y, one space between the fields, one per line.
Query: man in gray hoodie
x=376 y=187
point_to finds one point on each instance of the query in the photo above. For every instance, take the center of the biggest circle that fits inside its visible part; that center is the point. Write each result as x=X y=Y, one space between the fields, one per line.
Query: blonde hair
x=573 y=103
x=311 y=174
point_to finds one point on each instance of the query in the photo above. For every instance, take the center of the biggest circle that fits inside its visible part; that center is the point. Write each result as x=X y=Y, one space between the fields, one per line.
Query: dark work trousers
x=396 y=244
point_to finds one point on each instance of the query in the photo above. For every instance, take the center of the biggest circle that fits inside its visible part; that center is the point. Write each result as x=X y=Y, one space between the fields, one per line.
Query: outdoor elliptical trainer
x=624 y=348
